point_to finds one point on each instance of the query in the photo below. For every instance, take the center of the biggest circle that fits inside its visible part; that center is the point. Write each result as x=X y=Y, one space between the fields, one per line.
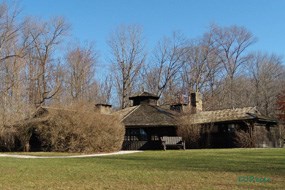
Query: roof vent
x=144 y=98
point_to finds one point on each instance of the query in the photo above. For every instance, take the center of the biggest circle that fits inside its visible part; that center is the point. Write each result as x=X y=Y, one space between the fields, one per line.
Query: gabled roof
x=147 y=116
x=247 y=113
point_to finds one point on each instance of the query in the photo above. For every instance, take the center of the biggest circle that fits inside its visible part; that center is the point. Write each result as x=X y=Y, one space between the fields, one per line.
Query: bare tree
x=9 y=30
x=81 y=62
x=202 y=67
x=105 y=90
x=267 y=75
x=232 y=44
x=12 y=48
x=45 y=37
x=166 y=63
x=128 y=56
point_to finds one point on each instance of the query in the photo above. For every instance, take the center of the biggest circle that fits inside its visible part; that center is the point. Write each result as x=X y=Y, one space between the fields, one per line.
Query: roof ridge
x=166 y=110
x=229 y=109
x=130 y=112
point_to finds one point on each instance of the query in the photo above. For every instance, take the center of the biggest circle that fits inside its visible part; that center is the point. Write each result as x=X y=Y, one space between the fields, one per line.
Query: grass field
x=190 y=169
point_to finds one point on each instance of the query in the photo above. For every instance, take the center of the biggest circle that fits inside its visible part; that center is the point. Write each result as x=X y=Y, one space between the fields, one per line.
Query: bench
x=172 y=142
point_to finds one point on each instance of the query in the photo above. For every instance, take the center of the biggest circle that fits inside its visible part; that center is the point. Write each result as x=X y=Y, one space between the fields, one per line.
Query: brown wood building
x=218 y=128
x=146 y=122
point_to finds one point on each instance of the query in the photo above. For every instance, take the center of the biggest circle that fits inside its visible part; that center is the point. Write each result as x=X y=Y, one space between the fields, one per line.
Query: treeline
x=220 y=64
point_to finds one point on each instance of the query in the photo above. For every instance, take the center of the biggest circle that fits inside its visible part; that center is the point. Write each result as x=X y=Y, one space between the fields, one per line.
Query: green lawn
x=191 y=169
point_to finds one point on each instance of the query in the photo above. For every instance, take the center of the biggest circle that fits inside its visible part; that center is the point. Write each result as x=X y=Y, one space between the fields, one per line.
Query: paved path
x=75 y=156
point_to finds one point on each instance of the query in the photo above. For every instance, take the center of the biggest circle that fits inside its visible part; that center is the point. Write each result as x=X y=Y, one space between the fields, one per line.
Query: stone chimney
x=103 y=108
x=196 y=104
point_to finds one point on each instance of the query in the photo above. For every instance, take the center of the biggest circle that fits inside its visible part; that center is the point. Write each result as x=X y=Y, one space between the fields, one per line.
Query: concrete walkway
x=75 y=156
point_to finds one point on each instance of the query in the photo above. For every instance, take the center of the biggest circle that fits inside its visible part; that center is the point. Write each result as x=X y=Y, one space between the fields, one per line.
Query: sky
x=94 y=20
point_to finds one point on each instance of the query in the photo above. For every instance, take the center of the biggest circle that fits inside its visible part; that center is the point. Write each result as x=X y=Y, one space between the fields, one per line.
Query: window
x=231 y=128
x=135 y=135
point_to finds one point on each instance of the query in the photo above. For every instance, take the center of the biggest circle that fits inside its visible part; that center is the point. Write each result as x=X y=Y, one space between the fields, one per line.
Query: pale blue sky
x=93 y=20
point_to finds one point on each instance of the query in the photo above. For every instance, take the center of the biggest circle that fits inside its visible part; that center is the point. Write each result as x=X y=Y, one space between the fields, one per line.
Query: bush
x=8 y=139
x=83 y=132
x=260 y=137
x=244 y=140
x=189 y=132
x=68 y=131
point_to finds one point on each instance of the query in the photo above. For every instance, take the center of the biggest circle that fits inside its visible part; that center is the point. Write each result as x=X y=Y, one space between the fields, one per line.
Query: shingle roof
x=123 y=113
x=155 y=116
x=148 y=115
x=225 y=115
